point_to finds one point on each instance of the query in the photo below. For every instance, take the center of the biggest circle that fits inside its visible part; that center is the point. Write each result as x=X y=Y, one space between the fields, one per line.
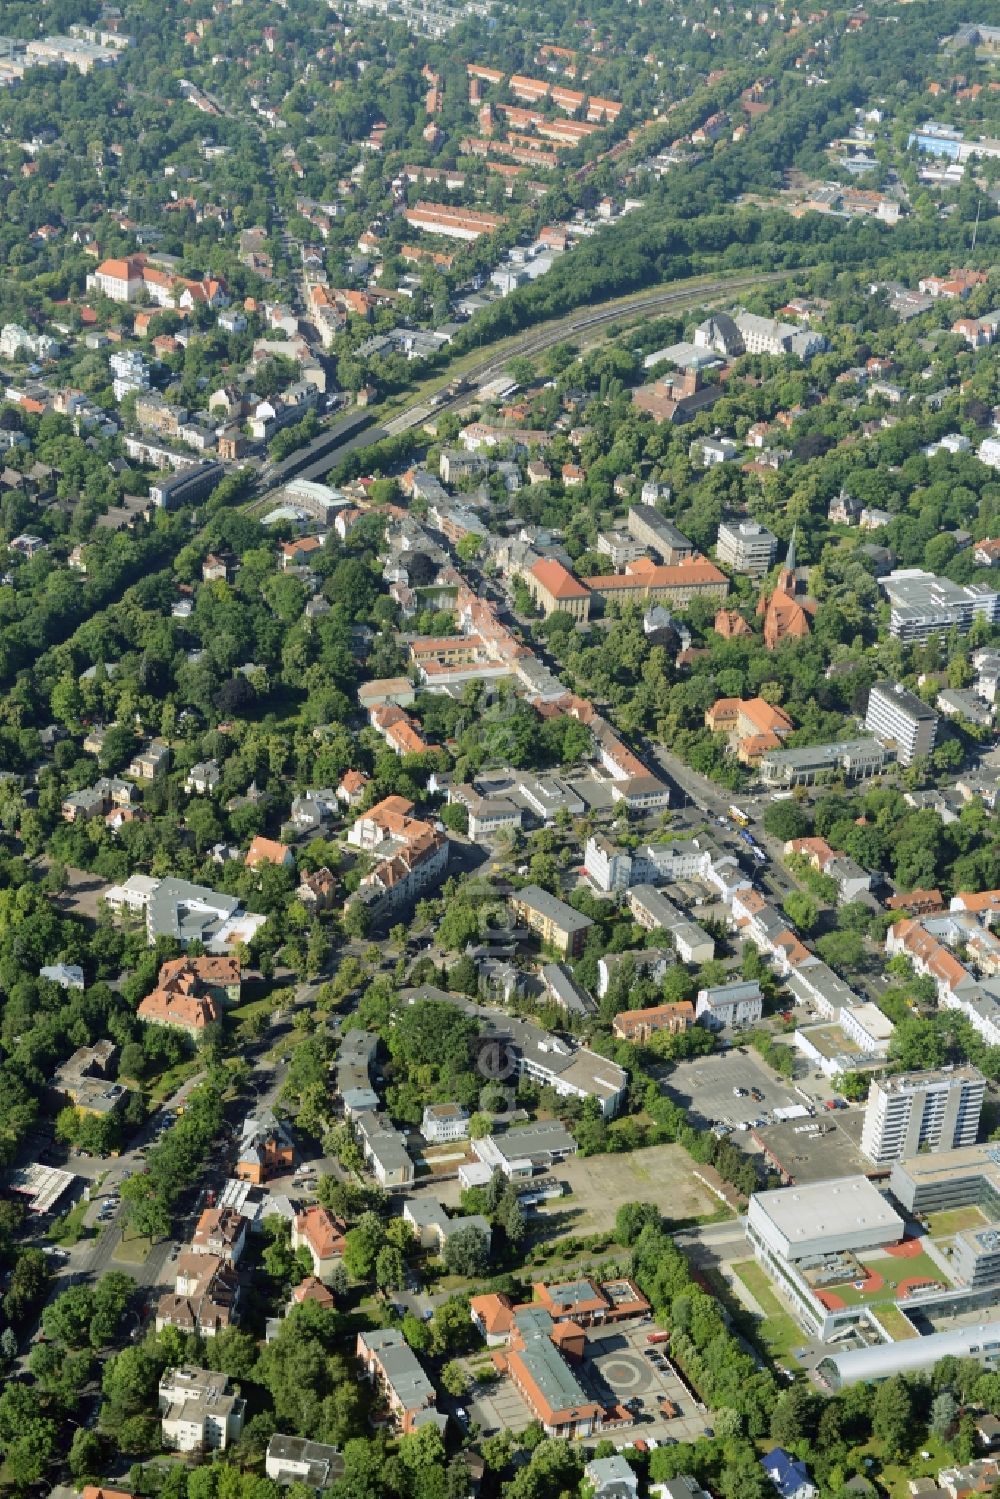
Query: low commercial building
x=980 y=1341
x=922 y=605
x=796 y=1231
x=948 y=1179
x=184 y=911
x=522 y=1151
x=856 y=759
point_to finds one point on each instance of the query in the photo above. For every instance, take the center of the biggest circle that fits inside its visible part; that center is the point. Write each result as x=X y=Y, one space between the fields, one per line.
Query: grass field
x=777 y=1330
x=662 y=1174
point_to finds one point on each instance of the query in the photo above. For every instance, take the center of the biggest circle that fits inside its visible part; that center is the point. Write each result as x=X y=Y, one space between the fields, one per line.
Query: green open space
x=132 y=1251
x=893 y=1272
x=69 y=1229
x=893 y=1319
x=954 y=1220
x=777 y=1330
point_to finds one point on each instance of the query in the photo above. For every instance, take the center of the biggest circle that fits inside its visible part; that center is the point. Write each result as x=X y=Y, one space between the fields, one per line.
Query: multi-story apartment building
x=393 y=1368
x=898 y=717
x=919 y=1111
x=198 y=1412
x=746 y=547
x=556 y=923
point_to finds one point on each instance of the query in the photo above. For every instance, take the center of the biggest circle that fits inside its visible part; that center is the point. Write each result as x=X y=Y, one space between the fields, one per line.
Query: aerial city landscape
x=499 y=749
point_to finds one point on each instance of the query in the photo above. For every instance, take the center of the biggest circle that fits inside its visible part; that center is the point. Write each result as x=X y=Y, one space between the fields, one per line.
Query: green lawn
x=954 y=1220
x=777 y=1330
x=132 y=1251
x=895 y=1323
x=166 y=1086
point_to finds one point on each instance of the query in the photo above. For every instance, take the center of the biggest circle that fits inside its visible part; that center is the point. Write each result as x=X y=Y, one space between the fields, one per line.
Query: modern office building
x=915 y=1112
x=923 y=605
x=900 y=718
x=939 y=1182
x=746 y=547
x=857 y=760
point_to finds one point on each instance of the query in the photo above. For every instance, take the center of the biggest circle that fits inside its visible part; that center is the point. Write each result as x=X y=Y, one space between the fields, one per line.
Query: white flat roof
x=811 y=1210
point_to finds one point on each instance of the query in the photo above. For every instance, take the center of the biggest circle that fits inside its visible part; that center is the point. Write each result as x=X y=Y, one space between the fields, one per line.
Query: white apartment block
x=746 y=547
x=919 y=1111
x=896 y=716
x=197 y=1411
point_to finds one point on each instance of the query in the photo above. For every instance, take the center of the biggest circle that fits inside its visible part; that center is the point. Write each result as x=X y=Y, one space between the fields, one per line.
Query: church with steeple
x=787 y=616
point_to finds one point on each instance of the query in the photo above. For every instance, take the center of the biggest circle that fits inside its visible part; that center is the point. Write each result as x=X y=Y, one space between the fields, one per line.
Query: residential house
x=291 y=1459
x=204 y=1298
x=191 y=993
x=318 y=891
x=151 y=761
x=789 y=1475
x=432 y=1227
x=220 y=1231
x=266 y=1149
x=736 y=1005
x=638 y=1025
x=389 y=1364
x=268 y=851
x=203 y=778
x=443 y=1122
x=322 y=1236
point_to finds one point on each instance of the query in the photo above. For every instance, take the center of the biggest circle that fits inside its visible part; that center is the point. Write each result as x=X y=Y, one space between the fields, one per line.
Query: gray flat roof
x=804 y=1212
x=552 y=907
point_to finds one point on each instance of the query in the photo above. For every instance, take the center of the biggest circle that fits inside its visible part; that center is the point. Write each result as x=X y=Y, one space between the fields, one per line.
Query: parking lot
x=704 y=1087
x=622 y=1365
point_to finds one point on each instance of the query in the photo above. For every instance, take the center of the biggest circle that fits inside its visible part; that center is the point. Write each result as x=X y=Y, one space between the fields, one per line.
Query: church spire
x=790 y=559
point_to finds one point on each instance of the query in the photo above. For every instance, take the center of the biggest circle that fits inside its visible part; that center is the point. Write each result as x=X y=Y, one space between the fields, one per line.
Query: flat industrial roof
x=811 y=1209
